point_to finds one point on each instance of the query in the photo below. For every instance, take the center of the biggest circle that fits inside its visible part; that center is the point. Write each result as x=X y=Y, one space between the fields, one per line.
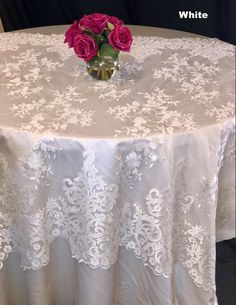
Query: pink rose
x=95 y=22
x=115 y=20
x=85 y=47
x=73 y=30
x=120 y=38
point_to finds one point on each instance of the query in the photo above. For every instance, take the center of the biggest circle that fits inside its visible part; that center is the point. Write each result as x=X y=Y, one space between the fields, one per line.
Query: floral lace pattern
x=164 y=86
x=152 y=176
x=157 y=224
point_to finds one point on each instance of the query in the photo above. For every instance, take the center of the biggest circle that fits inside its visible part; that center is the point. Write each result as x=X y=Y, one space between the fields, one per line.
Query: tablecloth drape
x=132 y=178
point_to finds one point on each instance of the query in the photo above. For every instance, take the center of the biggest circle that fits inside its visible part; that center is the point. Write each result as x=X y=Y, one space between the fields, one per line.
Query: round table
x=115 y=192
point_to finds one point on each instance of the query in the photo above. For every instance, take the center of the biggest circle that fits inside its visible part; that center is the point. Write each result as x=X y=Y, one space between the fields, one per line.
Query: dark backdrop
x=221 y=22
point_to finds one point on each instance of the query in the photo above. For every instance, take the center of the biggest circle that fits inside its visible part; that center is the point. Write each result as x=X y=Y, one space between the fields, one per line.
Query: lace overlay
x=152 y=176
x=157 y=223
x=164 y=86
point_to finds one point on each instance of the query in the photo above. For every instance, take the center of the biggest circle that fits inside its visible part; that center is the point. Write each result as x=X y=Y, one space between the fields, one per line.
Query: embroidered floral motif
x=178 y=68
x=223 y=112
x=53 y=191
x=15 y=40
x=147 y=231
x=110 y=92
x=90 y=205
x=141 y=154
x=153 y=115
x=163 y=86
x=197 y=259
x=49 y=115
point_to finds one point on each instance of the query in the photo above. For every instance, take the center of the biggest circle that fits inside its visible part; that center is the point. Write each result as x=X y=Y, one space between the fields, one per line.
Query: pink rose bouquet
x=98 y=36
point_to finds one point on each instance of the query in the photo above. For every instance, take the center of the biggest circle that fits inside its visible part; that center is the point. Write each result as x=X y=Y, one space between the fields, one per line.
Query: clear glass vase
x=103 y=68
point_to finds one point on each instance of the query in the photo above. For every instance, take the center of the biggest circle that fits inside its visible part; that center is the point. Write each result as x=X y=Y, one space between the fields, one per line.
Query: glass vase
x=102 y=68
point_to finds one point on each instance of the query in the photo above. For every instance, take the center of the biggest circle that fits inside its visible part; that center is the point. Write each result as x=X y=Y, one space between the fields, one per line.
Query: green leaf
x=107 y=50
x=89 y=32
x=99 y=39
x=93 y=60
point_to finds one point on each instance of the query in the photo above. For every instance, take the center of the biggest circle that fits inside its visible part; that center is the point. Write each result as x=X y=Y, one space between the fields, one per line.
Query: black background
x=221 y=21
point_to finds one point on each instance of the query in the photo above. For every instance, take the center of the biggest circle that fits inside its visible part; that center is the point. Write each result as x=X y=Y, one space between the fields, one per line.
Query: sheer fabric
x=132 y=178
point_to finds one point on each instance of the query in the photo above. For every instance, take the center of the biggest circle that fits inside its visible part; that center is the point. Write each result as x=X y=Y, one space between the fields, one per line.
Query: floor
x=226 y=272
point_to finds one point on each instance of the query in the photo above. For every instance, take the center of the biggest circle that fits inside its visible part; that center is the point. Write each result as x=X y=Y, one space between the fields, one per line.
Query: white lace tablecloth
x=134 y=177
